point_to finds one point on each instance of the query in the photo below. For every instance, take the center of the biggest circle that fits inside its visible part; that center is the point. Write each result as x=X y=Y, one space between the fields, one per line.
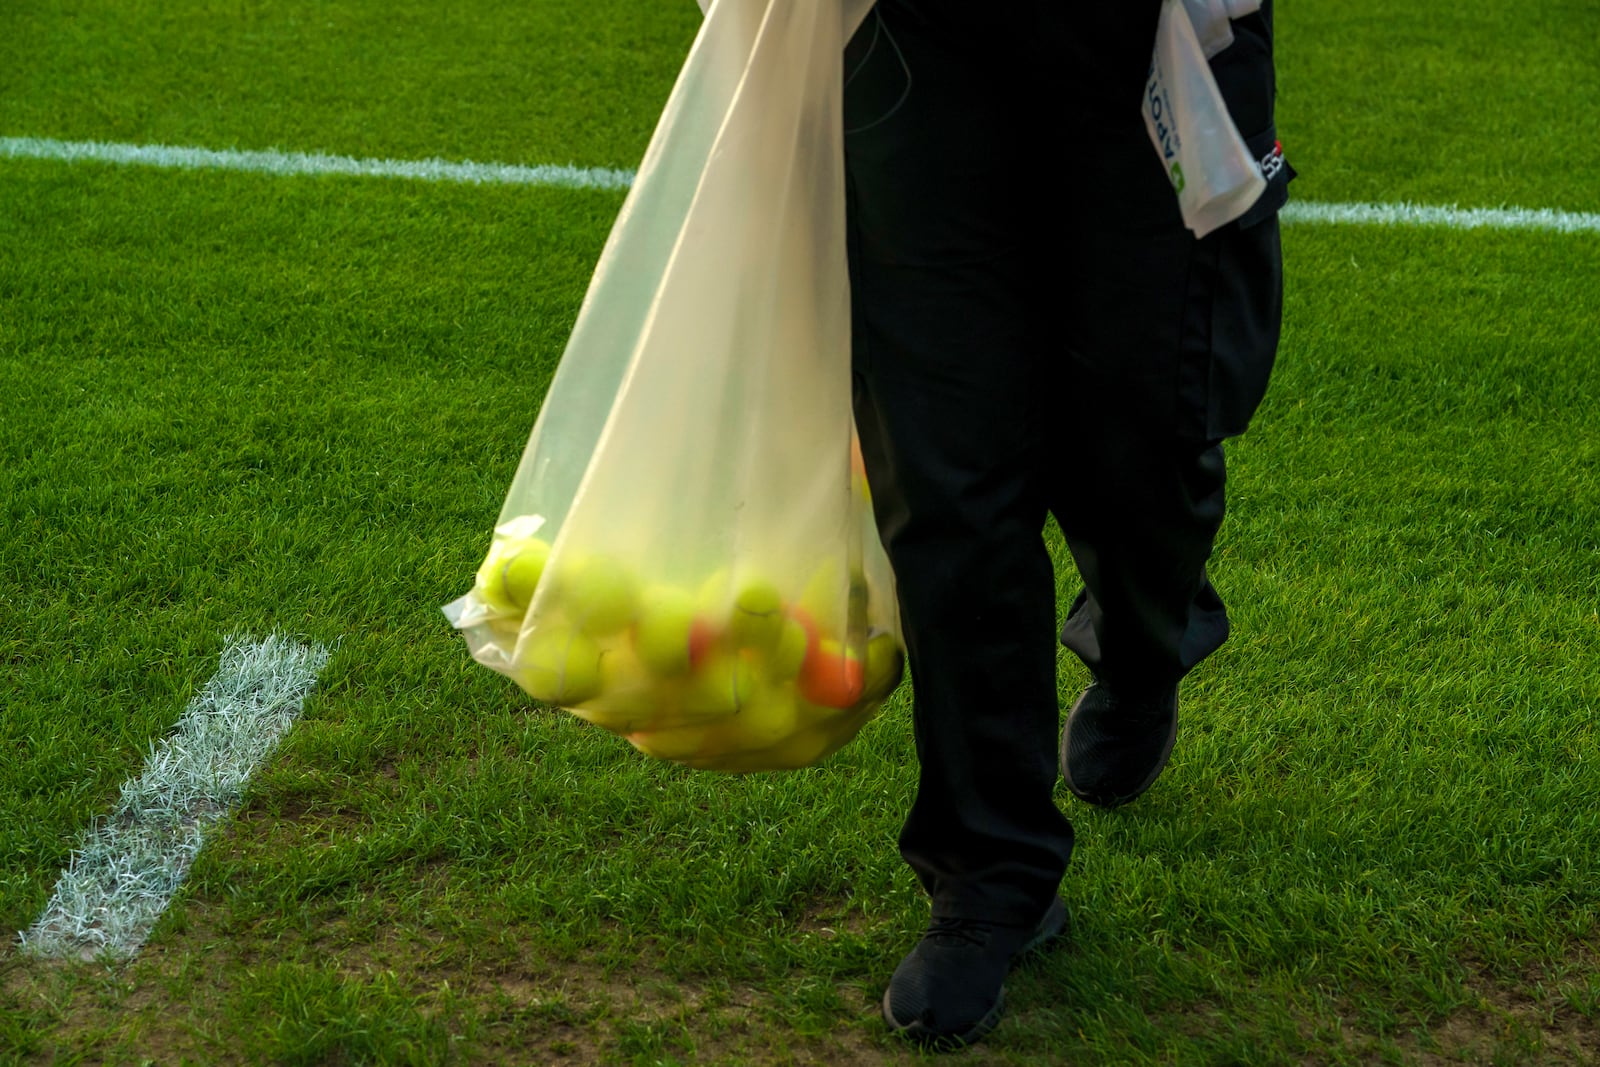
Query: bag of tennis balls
x=687 y=555
x=727 y=674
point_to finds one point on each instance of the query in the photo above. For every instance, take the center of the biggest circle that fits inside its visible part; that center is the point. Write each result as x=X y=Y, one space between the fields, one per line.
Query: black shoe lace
x=972 y=931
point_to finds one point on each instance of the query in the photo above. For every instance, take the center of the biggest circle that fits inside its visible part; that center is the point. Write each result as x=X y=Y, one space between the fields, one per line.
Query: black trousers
x=1035 y=332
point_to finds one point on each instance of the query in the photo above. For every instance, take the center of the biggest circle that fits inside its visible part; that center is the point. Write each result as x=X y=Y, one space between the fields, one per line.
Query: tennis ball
x=524 y=566
x=560 y=665
x=766 y=719
x=676 y=744
x=757 y=620
x=885 y=666
x=491 y=578
x=831 y=675
x=701 y=641
x=713 y=600
x=836 y=730
x=721 y=686
x=622 y=721
x=601 y=594
x=785 y=659
x=633 y=698
x=665 y=633
x=800 y=749
x=630 y=694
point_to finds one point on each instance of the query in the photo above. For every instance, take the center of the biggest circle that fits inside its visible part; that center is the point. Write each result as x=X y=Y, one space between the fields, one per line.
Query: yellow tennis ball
x=818 y=741
x=599 y=712
x=885 y=667
x=630 y=697
x=523 y=568
x=786 y=658
x=676 y=744
x=663 y=636
x=560 y=665
x=757 y=620
x=766 y=719
x=720 y=686
x=601 y=594
x=713 y=601
x=800 y=749
x=490 y=583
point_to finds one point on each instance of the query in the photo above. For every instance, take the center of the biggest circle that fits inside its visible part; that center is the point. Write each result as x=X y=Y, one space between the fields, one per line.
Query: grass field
x=234 y=403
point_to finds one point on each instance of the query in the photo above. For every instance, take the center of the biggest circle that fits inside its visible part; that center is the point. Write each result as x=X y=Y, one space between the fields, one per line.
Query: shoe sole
x=1115 y=802
x=1050 y=927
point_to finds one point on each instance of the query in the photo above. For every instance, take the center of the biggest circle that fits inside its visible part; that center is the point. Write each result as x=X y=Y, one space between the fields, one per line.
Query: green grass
x=237 y=419
x=234 y=403
x=557 y=82
x=1476 y=104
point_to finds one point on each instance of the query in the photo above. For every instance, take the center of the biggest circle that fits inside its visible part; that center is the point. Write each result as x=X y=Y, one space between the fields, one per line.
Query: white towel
x=1212 y=21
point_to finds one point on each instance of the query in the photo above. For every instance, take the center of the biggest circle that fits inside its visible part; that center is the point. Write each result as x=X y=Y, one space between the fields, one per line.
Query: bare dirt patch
x=182 y=1000
x=1523 y=1019
x=1526 y=1018
x=504 y=996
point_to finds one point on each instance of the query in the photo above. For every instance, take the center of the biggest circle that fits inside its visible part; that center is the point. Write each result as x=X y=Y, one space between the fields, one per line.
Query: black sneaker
x=1113 y=749
x=950 y=990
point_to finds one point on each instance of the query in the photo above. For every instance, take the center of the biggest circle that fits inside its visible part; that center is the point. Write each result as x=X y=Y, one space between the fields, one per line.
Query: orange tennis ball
x=832 y=676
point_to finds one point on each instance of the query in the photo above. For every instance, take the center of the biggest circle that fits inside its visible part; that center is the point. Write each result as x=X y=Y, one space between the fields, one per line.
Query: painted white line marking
x=1453 y=218
x=439 y=170
x=131 y=862
x=310 y=163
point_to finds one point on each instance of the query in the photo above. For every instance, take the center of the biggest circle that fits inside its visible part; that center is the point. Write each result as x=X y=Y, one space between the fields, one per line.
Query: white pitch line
x=312 y=163
x=1453 y=218
x=130 y=862
x=570 y=177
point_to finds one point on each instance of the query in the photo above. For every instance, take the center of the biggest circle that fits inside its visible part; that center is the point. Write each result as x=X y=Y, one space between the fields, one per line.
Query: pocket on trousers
x=876 y=78
x=1233 y=310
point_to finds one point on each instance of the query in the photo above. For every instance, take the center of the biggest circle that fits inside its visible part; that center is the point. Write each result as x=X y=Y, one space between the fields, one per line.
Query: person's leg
x=1143 y=498
x=946 y=377
x=1147 y=613
x=1167 y=344
x=1145 y=593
